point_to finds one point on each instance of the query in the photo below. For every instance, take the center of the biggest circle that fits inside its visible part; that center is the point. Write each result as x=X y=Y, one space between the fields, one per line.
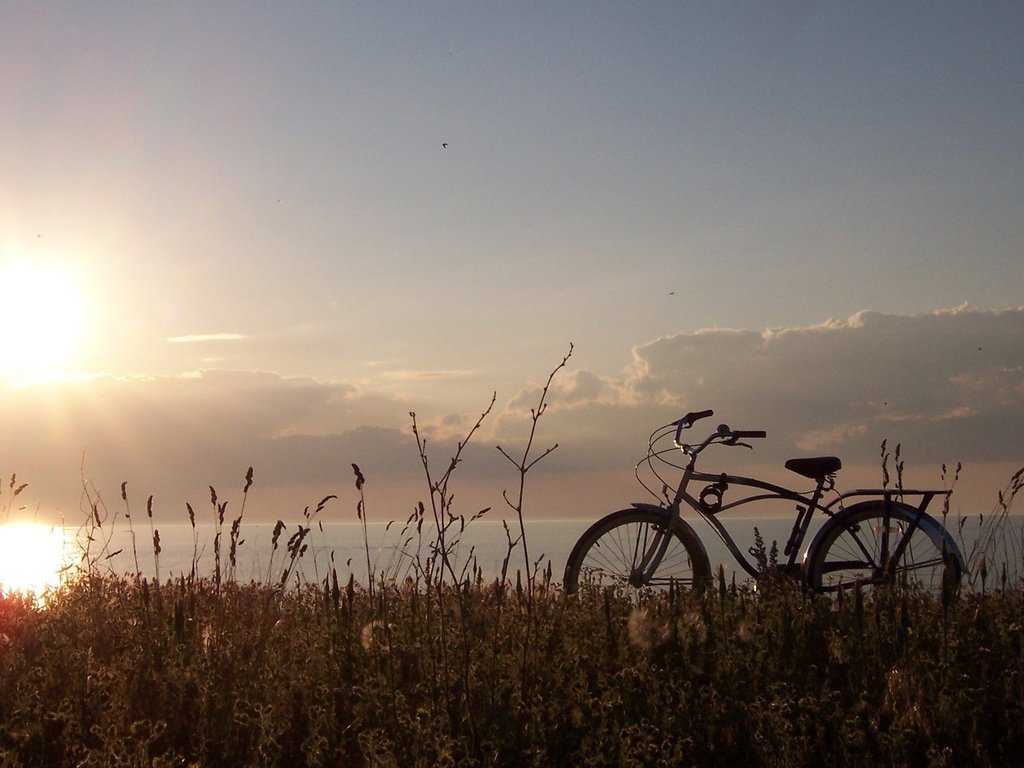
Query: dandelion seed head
x=745 y=634
x=693 y=622
x=644 y=631
x=372 y=633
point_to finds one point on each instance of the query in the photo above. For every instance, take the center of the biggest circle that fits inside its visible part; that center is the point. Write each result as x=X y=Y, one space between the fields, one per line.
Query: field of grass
x=448 y=668
x=119 y=672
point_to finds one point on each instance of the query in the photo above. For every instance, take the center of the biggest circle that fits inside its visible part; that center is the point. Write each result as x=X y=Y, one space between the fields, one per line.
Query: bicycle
x=877 y=539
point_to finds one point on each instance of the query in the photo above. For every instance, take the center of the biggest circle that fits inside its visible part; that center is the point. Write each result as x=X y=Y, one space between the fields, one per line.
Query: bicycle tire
x=607 y=552
x=874 y=546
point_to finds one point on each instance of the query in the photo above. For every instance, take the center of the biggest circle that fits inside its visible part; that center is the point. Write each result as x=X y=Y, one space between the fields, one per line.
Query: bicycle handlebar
x=746 y=434
x=693 y=416
x=723 y=434
x=688 y=420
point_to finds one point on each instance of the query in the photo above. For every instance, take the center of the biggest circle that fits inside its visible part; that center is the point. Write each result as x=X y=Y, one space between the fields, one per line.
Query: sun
x=32 y=557
x=43 y=319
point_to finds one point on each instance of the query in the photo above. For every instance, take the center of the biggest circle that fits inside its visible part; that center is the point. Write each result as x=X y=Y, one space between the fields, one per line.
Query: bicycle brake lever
x=735 y=440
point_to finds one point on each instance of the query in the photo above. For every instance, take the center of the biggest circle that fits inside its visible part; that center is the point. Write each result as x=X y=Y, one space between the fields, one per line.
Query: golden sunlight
x=43 y=318
x=31 y=557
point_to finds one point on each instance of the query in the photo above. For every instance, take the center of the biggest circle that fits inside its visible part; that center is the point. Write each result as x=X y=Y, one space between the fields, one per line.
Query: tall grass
x=182 y=673
x=998 y=542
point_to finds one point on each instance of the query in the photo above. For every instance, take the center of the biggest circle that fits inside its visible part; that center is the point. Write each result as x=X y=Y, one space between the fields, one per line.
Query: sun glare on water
x=32 y=557
x=43 y=319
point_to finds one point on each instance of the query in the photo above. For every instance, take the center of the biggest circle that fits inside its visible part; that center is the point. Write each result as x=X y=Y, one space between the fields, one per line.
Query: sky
x=239 y=235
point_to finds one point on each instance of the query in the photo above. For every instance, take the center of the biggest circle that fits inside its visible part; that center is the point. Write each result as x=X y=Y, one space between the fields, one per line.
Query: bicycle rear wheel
x=612 y=552
x=876 y=545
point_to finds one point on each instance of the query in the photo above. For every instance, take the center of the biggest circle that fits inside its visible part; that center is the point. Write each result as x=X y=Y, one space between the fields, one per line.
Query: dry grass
x=192 y=672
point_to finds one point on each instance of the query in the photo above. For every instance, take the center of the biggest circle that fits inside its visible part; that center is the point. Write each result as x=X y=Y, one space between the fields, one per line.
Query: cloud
x=942 y=380
x=175 y=434
x=404 y=375
x=206 y=337
x=568 y=389
x=948 y=386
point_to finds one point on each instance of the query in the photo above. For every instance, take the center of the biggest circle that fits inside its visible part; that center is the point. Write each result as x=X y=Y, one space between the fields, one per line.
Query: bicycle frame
x=807 y=505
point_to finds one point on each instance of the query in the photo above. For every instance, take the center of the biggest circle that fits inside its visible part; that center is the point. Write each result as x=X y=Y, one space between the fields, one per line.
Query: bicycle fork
x=644 y=569
x=647 y=562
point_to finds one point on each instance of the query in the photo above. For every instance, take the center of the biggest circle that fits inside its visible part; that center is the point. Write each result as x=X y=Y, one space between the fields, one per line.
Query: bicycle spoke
x=623 y=551
x=882 y=545
x=922 y=565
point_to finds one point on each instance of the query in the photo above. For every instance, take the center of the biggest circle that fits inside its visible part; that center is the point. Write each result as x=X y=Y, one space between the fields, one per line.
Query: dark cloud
x=176 y=434
x=951 y=384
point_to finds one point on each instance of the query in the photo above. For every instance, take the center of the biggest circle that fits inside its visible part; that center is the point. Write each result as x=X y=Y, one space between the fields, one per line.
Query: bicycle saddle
x=817 y=468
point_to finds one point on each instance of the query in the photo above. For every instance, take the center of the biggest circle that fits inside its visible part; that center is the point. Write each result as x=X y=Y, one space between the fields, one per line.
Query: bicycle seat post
x=803 y=519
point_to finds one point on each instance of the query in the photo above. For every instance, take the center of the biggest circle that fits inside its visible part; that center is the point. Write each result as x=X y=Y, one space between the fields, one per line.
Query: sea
x=484 y=546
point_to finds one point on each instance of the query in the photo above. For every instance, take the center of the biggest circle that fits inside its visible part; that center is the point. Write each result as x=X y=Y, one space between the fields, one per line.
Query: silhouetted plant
x=448 y=526
x=527 y=462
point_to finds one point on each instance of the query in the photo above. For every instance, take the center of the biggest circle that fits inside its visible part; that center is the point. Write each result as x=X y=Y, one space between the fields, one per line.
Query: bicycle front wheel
x=616 y=550
x=877 y=544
